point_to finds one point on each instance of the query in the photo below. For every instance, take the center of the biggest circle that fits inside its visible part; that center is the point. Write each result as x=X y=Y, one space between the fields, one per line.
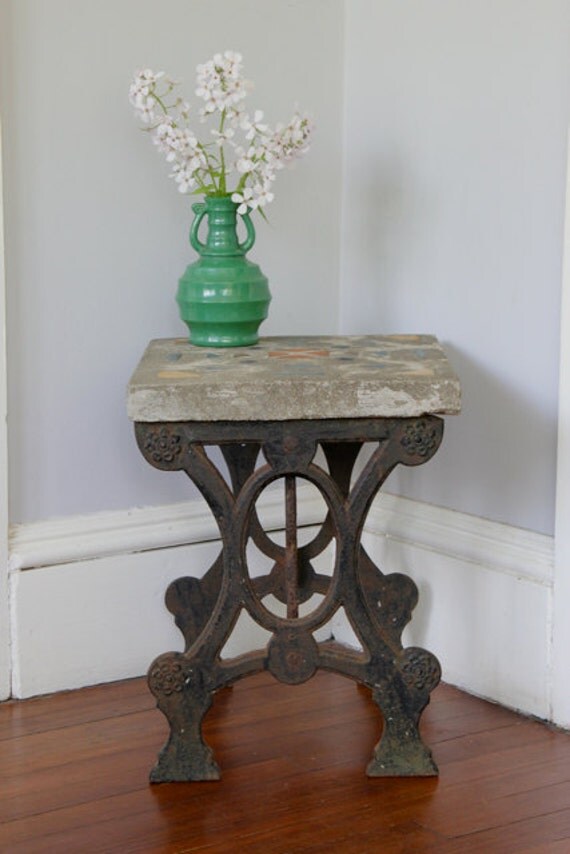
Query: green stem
x=210 y=168
x=242 y=182
x=160 y=102
x=222 y=157
x=222 y=171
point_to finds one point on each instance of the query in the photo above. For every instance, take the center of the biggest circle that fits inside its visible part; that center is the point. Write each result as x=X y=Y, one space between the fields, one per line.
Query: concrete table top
x=286 y=378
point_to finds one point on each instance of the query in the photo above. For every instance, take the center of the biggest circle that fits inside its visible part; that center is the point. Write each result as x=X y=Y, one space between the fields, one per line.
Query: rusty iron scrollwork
x=378 y=605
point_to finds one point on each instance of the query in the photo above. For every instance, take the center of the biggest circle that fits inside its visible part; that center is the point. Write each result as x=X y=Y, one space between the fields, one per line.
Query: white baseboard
x=469 y=539
x=87 y=593
x=77 y=538
x=485 y=606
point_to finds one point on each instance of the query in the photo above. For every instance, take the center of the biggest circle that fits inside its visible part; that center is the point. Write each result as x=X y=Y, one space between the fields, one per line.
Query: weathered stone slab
x=288 y=378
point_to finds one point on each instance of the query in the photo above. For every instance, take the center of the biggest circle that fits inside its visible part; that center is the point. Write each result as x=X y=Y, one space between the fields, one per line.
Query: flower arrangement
x=206 y=167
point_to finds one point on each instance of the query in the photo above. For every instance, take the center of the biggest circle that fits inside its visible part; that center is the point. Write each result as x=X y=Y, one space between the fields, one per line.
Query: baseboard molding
x=504 y=548
x=78 y=538
x=485 y=606
x=471 y=539
x=90 y=590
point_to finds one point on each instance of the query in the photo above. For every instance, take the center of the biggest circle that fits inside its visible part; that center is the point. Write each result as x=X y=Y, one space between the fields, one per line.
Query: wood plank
x=68 y=708
x=537 y=834
x=74 y=776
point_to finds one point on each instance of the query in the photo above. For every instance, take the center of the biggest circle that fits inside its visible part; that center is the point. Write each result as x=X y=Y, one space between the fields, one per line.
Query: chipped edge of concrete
x=314 y=401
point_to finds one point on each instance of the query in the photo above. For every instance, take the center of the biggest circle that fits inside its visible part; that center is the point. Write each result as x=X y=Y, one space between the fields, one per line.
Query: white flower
x=184 y=178
x=292 y=140
x=262 y=194
x=205 y=167
x=150 y=77
x=142 y=85
x=145 y=110
x=223 y=136
x=266 y=172
x=219 y=82
x=254 y=127
x=244 y=162
x=245 y=200
x=233 y=61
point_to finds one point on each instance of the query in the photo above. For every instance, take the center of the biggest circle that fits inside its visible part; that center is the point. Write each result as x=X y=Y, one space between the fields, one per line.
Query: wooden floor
x=73 y=776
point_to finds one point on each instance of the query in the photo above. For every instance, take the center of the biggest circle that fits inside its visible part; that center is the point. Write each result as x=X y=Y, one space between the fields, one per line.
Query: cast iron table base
x=378 y=606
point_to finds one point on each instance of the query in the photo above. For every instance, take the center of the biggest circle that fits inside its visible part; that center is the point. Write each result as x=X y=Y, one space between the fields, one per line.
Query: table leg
x=377 y=605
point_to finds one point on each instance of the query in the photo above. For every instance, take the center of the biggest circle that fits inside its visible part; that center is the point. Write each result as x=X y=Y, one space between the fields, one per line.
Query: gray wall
x=454 y=137
x=455 y=154
x=97 y=235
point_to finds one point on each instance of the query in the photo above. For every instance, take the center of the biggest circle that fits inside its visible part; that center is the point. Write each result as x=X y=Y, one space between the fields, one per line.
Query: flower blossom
x=225 y=135
x=141 y=86
x=292 y=140
x=262 y=194
x=145 y=109
x=254 y=127
x=244 y=200
x=183 y=174
x=204 y=167
x=220 y=83
x=245 y=161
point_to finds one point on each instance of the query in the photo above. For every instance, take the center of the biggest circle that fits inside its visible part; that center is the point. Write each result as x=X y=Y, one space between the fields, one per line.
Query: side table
x=269 y=408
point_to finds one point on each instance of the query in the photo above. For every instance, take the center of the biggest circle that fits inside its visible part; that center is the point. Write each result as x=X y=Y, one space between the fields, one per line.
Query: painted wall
x=97 y=235
x=454 y=149
x=455 y=155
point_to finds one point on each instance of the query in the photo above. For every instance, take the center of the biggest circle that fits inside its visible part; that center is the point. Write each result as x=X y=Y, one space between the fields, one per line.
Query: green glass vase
x=222 y=297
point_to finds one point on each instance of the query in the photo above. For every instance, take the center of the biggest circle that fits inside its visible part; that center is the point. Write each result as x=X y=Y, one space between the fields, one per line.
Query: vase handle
x=200 y=210
x=250 y=237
